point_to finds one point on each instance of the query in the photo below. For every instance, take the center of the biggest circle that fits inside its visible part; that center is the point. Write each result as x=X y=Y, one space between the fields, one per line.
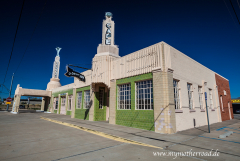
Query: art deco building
x=157 y=88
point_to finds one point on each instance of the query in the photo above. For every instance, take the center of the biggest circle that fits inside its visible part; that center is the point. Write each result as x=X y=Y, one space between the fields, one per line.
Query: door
x=63 y=107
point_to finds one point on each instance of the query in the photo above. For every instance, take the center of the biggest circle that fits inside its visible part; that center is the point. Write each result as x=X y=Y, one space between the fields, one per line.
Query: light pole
x=207 y=111
x=10 y=90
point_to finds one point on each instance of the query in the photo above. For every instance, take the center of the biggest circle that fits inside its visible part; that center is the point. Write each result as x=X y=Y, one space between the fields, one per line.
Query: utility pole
x=207 y=111
x=10 y=90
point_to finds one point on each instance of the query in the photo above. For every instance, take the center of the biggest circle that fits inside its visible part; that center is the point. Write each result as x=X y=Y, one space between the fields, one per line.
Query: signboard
x=236 y=101
x=8 y=103
x=9 y=99
x=72 y=73
x=205 y=95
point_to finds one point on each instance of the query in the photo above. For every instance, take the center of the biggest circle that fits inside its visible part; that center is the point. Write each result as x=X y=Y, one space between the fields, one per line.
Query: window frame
x=79 y=99
x=200 y=97
x=85 y=106
x=210 y=98
x=221 y=102
x=123 y=96
x=177 y=89
x=63 y=100
x=190 y=96
x=56 y=103
x=70 y=102
x=150 y=94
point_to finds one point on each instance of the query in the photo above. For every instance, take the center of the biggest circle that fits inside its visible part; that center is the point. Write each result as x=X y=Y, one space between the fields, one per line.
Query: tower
x=55 y=81
x=108 y=46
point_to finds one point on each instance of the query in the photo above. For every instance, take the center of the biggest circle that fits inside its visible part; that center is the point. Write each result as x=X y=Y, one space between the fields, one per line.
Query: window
x=86 y=99
x=144 y=94
x=200 y=97
x=101 y=97
x=221 y=102
x=190 y=99
x=176 y=94
x=63 y=101
x=56 y=105
x=124 y=96
x=69 y=102
x=79 y=99
x=211 y=100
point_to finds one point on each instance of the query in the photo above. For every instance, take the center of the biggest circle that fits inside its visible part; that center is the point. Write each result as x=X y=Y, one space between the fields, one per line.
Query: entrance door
x=63 y=107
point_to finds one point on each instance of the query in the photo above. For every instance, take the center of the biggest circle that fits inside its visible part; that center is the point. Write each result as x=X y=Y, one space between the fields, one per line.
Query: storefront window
x=144 y=95
x=124 y=96
x=79 y=99
x=86 y=99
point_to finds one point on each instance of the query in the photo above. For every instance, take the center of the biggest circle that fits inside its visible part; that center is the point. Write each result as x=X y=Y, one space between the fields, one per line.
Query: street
x=44 y=136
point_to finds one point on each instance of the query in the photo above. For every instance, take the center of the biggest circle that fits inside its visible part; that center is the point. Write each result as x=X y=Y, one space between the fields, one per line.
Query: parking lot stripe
x=220 y=139
x=109 y=136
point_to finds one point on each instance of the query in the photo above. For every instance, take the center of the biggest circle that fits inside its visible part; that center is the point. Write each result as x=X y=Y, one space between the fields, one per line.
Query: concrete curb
x=47 y=112
x=14 y=112
x=39 y=111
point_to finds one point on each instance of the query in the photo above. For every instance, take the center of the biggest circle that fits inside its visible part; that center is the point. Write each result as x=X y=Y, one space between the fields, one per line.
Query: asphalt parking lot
x=27 y=136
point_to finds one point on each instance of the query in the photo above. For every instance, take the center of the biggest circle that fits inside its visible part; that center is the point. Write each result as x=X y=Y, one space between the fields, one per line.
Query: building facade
x=157 y=88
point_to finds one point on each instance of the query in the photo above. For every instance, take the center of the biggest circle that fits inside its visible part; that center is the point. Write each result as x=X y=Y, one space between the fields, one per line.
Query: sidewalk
x=197 y=139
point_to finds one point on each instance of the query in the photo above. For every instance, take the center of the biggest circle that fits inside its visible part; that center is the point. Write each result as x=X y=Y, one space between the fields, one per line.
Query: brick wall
x=223 y=84
x=143 y=119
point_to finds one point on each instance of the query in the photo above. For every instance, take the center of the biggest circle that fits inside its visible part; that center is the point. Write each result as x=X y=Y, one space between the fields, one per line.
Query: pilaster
x=112 y=106
x=73 y=103
x=91 y=104
x=164 y=109
x=59 y=103
x=66 y=104
x=43 y=104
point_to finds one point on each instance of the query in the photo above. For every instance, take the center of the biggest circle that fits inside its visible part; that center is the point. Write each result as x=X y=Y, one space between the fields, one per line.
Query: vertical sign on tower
x=108 y=33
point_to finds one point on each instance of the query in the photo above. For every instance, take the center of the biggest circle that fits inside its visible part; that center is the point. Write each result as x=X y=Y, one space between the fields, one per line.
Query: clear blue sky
x=207 y=31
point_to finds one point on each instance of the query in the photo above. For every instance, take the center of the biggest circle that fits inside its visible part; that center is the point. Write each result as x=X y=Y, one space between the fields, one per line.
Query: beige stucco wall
x=187 y=70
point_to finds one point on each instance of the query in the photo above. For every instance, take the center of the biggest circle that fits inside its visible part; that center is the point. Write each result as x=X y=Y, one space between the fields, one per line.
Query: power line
x=31 y=37
x=238 y=4
x=234 y=12
x=14 y=41
x=230 y=14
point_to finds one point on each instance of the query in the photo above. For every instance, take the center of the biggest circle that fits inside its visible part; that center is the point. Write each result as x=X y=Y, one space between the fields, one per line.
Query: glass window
x=221 y=102
x=69 y=102
x=63 y=101
x=56 y=105
x=124 y=96
x=144 y=95
x=86 y=99
x=176 y=94
x=190 y=95
x=211 y=99
x=101 y=98
x=200 y=97
x=79 y=99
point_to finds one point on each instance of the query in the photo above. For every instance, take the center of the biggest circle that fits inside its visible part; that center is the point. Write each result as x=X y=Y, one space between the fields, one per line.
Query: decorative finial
x=58 y=50
x=108 y=14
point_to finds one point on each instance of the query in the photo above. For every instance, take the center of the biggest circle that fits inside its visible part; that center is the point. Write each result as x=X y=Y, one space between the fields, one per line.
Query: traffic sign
x=8 y=103
x=9 y=99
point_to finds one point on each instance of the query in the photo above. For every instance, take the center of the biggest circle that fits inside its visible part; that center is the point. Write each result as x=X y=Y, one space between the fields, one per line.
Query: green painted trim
x=142 y=119
x=69 y=91
x=55 y=111
x=81 y=113
x=68 y=112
